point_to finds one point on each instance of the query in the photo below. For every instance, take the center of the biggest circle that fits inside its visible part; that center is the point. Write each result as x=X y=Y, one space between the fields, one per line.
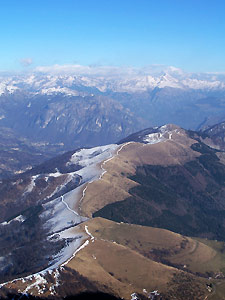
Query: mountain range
x=91 y=202
x=53 y=110
x=140 y=218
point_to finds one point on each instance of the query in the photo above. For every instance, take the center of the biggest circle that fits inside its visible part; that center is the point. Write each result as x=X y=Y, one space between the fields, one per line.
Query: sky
x=187 y=34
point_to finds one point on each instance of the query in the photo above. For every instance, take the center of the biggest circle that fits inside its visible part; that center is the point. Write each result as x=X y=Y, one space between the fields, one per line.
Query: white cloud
x=108 y=71
x=123 y=74
x=26 y=61
x=87 y=70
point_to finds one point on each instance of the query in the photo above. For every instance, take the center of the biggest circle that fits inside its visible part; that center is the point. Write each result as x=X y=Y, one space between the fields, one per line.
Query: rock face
x=73 y=121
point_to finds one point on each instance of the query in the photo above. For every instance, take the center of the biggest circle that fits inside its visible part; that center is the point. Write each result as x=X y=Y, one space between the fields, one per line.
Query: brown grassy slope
x=163 y=245
x=122 y=259
x=114 y=185
x=121 y=269
x=116 y=259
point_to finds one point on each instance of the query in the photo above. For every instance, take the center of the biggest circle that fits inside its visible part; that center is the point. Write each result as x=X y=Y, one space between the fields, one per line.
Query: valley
x=44 y=114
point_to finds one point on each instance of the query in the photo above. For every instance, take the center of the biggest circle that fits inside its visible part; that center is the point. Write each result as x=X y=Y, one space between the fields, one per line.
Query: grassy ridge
x=187 y=198
x=130 y=258
x=199 y=256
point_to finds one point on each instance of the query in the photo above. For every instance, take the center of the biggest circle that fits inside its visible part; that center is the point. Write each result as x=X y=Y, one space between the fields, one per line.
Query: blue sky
x=188 y=34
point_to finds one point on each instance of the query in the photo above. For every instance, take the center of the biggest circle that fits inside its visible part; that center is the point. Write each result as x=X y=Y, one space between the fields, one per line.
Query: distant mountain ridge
x=80 y=80
x=93 y=106
x=125 y=85
x=64 y=108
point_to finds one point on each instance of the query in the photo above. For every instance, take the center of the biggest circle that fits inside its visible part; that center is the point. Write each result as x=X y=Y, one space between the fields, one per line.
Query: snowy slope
x=59 y=215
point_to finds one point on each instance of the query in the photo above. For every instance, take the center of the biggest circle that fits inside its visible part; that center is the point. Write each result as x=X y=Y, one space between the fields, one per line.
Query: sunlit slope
x=130 y=258
x=188 y=254
x=115 y=184
x=122 y=259
x=174 y=182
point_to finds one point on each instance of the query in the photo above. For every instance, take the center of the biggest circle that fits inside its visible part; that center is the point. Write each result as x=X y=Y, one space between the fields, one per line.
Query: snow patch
x=74 y=254
x=98 y=123
x=30 y=187
x=68 y=252
x=154 y=138
x=68 y=177
x=20 y=218
x=163 y=133
x=134 y=296
x=40 y=284
x=89 y=160
x=87 y=157
x=88 y=232
x=58 y=217
x=56 y=174
x=67 y=206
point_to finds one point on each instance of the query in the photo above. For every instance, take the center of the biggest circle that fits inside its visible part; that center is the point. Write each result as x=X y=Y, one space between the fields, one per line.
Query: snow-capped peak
x=69 y=81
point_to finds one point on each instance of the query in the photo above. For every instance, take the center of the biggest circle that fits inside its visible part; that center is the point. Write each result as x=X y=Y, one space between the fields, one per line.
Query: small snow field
x=154 y=138
x=57 y=215
x=89 y=160
x=163 y=134
x=19 y=218
x=30 y=187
